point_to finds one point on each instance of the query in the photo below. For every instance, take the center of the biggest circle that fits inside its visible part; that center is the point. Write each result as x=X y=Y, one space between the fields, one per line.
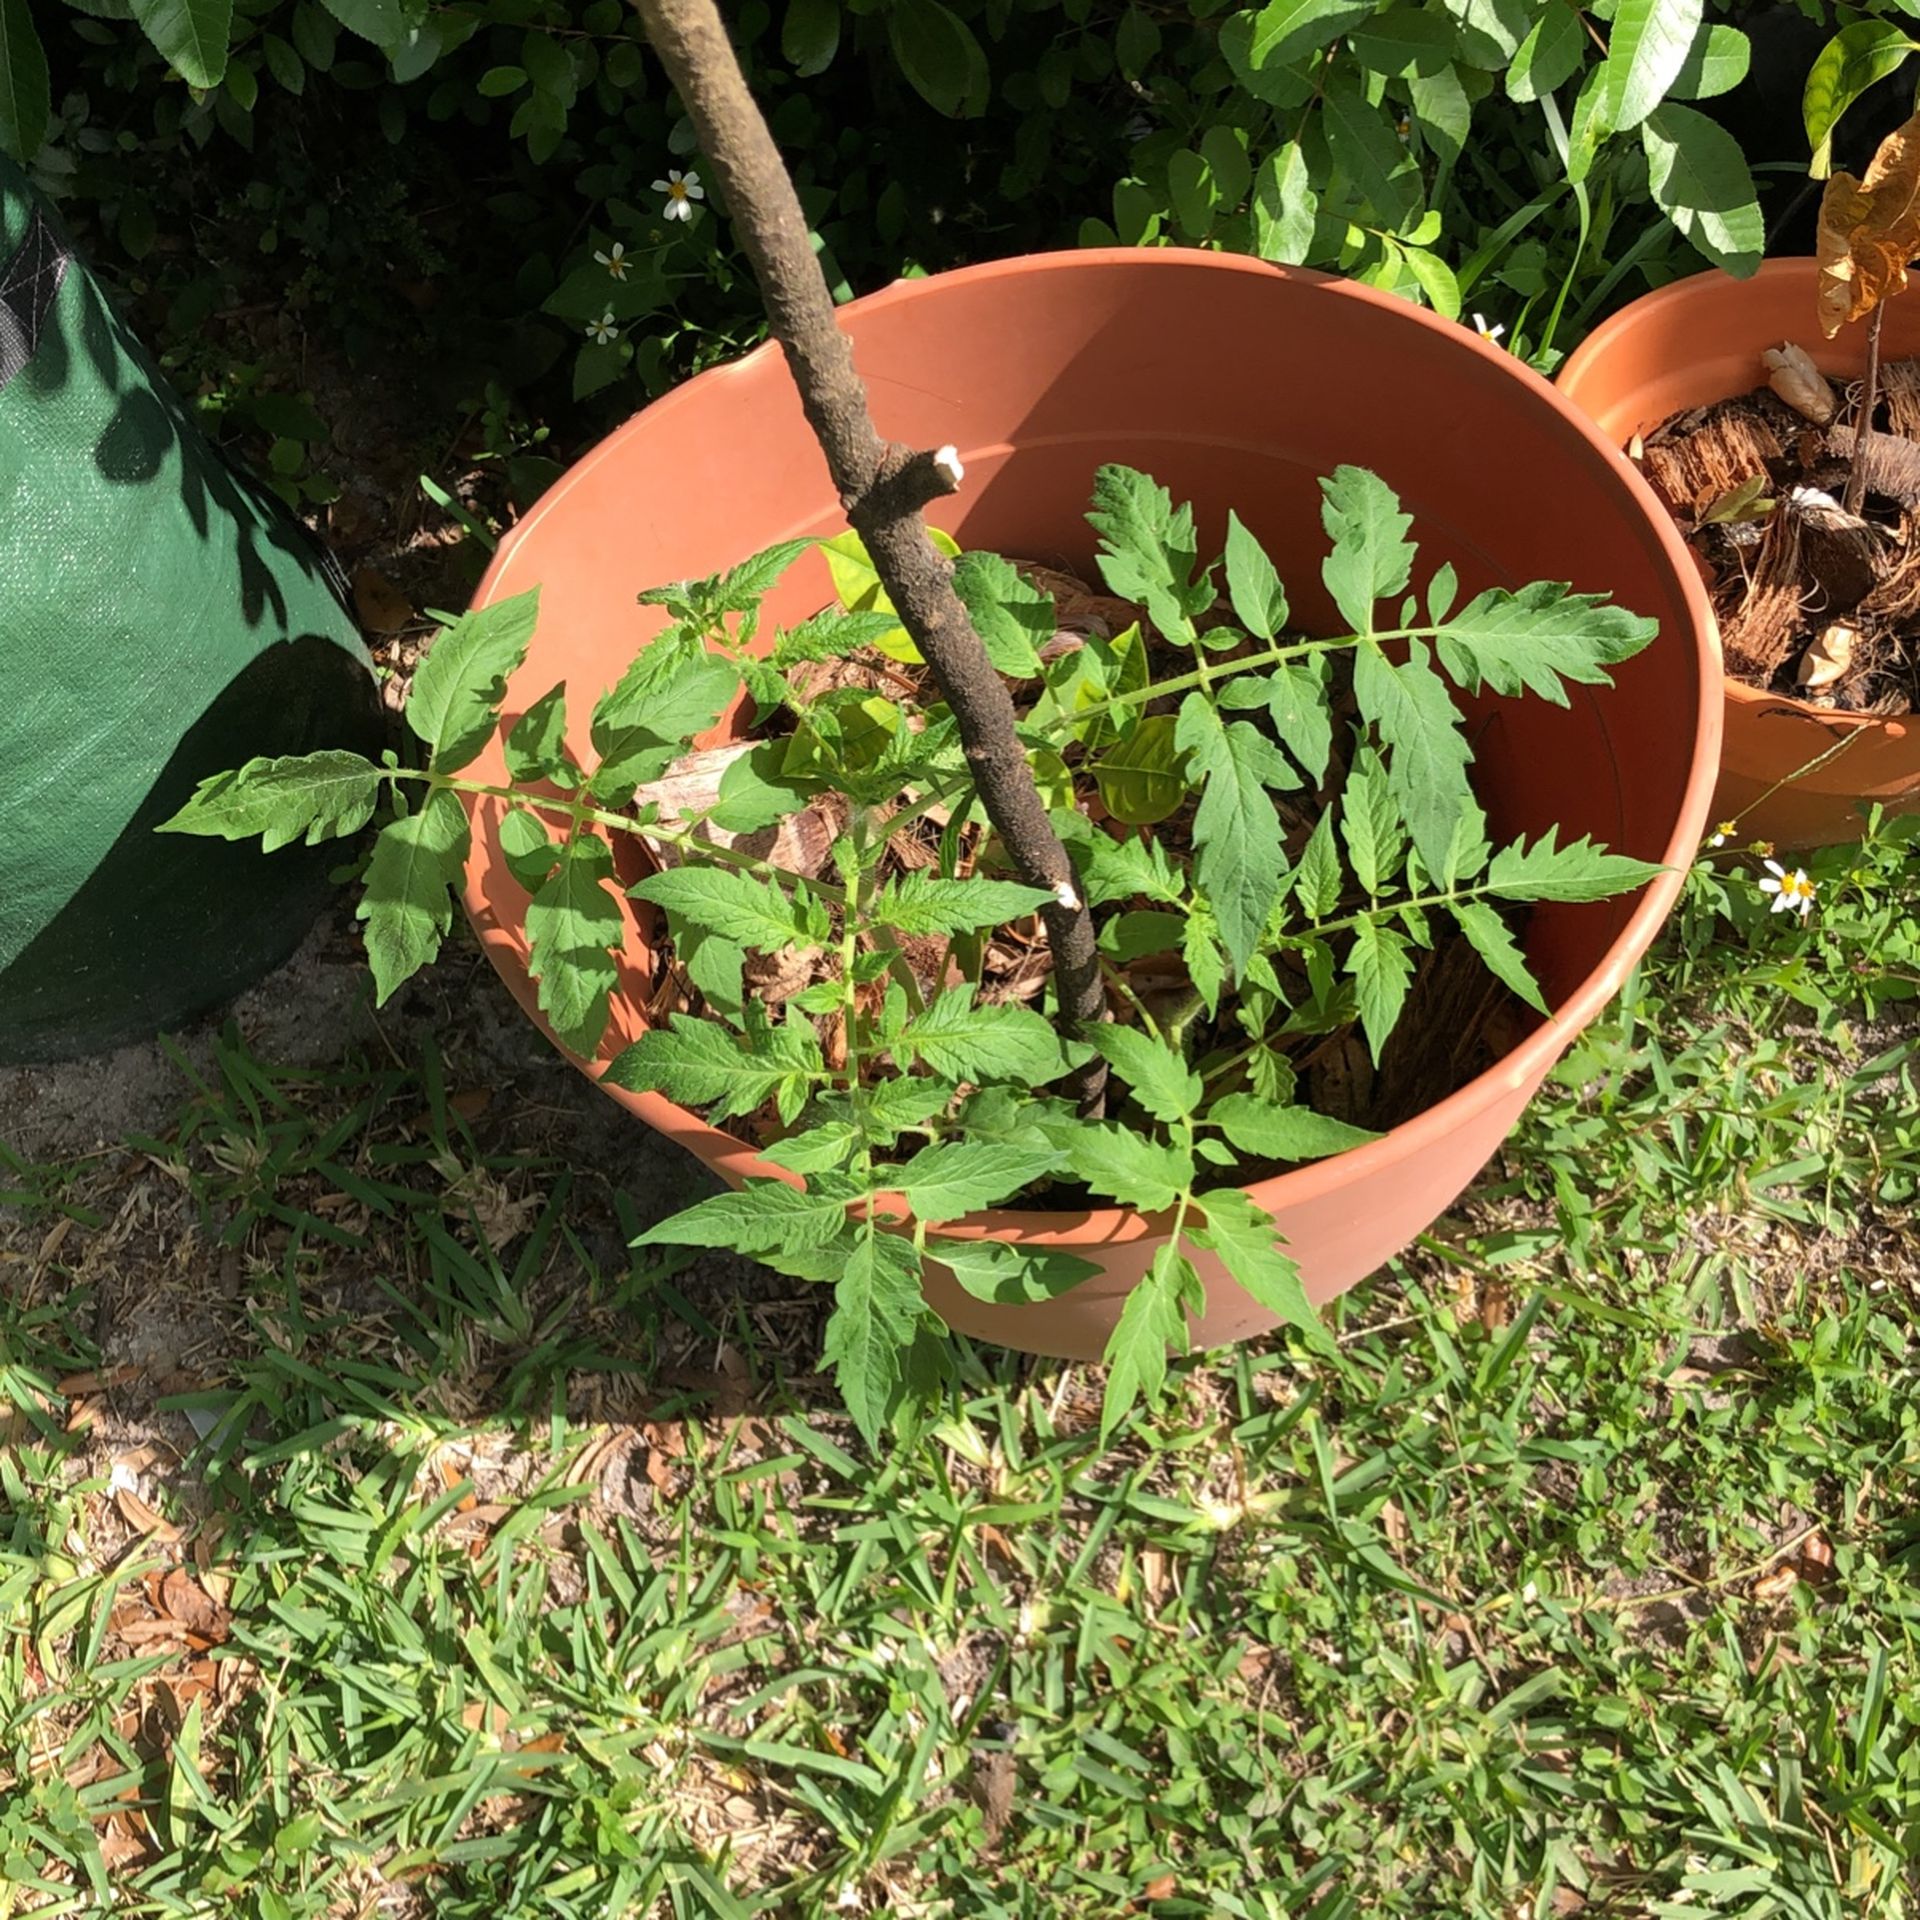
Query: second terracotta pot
x=1237 y=385
x=1689 y=345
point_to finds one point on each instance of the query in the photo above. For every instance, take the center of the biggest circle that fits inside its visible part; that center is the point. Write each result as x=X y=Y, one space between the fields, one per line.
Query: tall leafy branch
x=882 y=487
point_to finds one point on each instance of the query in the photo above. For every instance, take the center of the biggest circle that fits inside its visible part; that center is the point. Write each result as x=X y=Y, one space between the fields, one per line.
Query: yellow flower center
x=676 y=190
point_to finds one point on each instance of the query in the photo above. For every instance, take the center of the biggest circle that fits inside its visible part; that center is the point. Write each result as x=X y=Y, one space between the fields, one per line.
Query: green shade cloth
x=160 y=620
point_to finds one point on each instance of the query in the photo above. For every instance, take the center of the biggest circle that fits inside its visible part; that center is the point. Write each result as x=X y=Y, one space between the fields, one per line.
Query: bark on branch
x=882 y=487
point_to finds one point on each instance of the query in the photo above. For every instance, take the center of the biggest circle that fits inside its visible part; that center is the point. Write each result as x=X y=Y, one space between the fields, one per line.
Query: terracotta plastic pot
x=1688 y=345
x=1236 y=384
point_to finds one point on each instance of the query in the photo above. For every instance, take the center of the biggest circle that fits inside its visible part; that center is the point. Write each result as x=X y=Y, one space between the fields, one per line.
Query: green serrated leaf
x=1153 y=1321
x=1427 y=766
x=674 y=691
x=1372 y=557
x=960 y=1040
x=877 y=1304
x=1245 y=1238
x=1381 y=971
x=1014 y=620
x=703 y=1064
x=1010 y=1276
x=1274 y=1132
x=763 y=1214
x=1491 y=940
x=1578 y=871
x=406 y=904
x=1148 y=552
x=1128 y=870
x=1161 y=1080
x=323 y=796
x=537 y=741
x=1125 y=1166
x=454 y=702
x=831 y=634
x=1297 y=699
x=1700 y=180
x=921 y=903
x=1318 y=878
x=572 y=922
x=1370 y=821
x=1206 y=962
x=1532 y=640
x=529 y=848
x=743 y=586
x=1253 y=583
x=1239 y=856
x=755 y=912
x=952 y=1178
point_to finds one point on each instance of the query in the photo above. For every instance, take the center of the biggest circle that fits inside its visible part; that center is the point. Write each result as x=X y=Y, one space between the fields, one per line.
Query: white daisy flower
x=1484 y=331
x=602 y=332
x=614 y=260
x=1792 y=892
x=1721 y=834
x=682 y=190
x=1404 y=128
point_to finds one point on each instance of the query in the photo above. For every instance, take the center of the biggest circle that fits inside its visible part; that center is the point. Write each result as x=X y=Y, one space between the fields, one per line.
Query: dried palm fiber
x=1900 y=393
x=1897 y=597
x=1892 y=463
x=1706 y=455
x=1760 y=615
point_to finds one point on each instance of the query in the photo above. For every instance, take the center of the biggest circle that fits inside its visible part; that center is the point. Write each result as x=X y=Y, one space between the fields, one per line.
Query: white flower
x=1404 y=128
x=1484 y=331
x=614 y=261
x=1721 y=833
x=602 y=332
x=682 y=190
x=1792 y=892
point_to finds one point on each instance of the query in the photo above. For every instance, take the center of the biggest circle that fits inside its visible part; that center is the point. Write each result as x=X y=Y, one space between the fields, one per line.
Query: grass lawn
x=379 y=1536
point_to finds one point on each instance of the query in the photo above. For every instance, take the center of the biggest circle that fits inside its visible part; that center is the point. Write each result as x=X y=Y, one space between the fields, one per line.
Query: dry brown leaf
x=1816 y=1558
x=142 y=1518
x=1777 y=1584
x=1828 y=658
x=182 y=1597
x=382 y=607
x=76 y=1384
x=55 y=1235
x=1163 y=1886
x=1793 y=376
x=1869 y=230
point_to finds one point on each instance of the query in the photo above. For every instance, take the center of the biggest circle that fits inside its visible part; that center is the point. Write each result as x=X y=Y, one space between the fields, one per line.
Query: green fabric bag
x=159 y=621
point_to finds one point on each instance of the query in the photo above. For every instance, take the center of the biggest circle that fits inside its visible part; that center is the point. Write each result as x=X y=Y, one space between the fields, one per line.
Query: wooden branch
x=882 y=487
x=1856 y=493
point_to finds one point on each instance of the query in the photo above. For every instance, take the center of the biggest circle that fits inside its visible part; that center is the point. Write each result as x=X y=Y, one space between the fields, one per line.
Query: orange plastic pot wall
x=1236 y=384
x=1688 y=345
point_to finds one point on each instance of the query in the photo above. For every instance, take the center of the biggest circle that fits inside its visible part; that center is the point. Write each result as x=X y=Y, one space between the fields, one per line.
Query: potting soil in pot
x=1813 y=601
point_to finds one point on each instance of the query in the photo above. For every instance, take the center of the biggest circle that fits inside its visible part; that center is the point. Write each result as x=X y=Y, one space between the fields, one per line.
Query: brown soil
x=1812 y=601
x=1459 y=1019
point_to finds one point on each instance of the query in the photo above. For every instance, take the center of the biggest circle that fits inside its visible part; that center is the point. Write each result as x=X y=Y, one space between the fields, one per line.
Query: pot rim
x=1525 y=1064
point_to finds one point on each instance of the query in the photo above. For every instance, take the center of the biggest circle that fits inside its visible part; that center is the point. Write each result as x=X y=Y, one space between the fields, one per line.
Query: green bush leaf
x=323 y=796
x=1238 y=852
x=956 y=1177
x=1857 y=57
x=1716 y=63
x=384 y=22
x=1010 y=1276
x=1492 y=941
x=940 y=57
x=1577 y=871
x=703 y=1064
x=1271 y=1132
x=1285 y=32
x=454 y=702
x=1161 y=1080
x=1245 y=1238
x=921 y=903
x=1427 y=767
x=1372 y=556
x=1153 y=1320
x=1128 y=1167
x=961 y=1041
x=1368 y=150
x=1382 y=971
x=572 y=922
x=1230 y=172
x=810 y=36
x=1404 y=40
x=1442 y=111
x=1191 y=193
x=406 y=904
x=1550 y=54
x=26 y=98
x=1700 y=181
x=1284 y=206
x=1647 y=46
x=191 y=36
x=1532 y=640
x=877 y=1305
